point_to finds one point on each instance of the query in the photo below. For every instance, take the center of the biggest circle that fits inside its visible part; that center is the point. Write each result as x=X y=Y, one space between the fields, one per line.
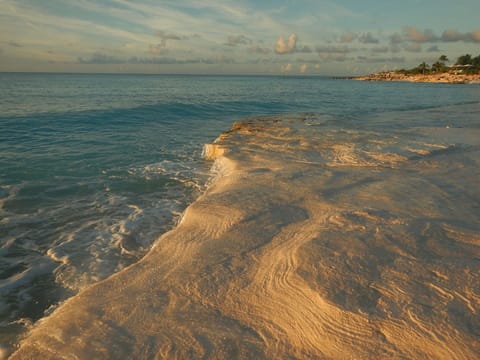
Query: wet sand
x=313 y=241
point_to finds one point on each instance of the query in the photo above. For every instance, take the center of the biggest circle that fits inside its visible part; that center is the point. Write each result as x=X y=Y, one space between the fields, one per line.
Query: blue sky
x=233 y=37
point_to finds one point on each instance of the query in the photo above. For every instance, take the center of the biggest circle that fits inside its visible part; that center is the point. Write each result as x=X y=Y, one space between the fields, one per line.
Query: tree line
x=466 y=64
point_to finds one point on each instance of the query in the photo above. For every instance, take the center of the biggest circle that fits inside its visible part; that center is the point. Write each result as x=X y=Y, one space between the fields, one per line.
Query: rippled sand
x=313 y=241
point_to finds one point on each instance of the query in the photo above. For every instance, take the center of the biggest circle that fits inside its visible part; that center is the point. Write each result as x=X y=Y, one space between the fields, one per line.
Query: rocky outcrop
x=448 y=78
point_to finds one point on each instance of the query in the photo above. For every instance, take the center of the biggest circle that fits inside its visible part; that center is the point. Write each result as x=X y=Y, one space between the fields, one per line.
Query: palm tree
x=423 y=67
x=438 y=67
x=464 y=60
x=443 y=59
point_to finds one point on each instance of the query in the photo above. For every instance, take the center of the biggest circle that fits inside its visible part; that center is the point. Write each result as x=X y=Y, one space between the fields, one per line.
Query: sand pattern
x=312 y=242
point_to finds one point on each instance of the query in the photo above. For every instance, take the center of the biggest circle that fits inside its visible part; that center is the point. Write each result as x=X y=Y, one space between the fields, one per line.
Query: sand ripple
x=311 y=243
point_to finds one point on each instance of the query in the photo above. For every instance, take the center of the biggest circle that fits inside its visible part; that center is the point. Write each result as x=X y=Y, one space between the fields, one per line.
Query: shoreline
x=441 y=78
x=294 y=251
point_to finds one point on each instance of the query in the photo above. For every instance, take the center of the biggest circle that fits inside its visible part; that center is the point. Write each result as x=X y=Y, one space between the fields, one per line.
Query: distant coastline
x=445 y=78
x=466 y=70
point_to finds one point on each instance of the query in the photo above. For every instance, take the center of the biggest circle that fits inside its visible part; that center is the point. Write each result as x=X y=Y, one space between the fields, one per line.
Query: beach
x=316 y=237
x=246 y=180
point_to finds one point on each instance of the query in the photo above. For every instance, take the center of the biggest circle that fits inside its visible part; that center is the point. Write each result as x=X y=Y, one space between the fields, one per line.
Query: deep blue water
x=94 y=168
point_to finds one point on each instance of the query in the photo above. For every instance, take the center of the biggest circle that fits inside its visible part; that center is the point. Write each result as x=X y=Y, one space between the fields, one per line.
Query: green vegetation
x=465 y=64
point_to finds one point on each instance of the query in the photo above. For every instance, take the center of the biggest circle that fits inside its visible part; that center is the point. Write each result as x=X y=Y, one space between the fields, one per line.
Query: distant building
x=458 y=69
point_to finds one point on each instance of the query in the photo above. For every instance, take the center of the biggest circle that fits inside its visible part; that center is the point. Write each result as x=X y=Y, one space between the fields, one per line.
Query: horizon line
x=173 y=74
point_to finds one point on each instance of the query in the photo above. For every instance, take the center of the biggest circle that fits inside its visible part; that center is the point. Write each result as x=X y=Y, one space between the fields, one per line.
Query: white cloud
x=333 y=52
x=368 y=38
x=257 y=49
x=451 y=35
x=413 y=34
x=164 y=36
x=286 y=68
x=286 y=47
x=304 y=49
x=395 y=39
x=367 y=59
x=126 y=32
x=157 y=49
x=332 y=49
x=433 y=48
x=380 y=49
x=475 y=36
x=238 y=40
x=413 y=47
x=365 y=38
x=14 y=44
x=348 y=37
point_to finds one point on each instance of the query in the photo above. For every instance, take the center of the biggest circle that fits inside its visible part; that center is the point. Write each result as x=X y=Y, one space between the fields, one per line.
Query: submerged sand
x=312 y=241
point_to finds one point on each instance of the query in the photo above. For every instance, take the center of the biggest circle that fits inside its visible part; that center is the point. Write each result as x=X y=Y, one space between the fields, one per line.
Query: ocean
x=98 y=170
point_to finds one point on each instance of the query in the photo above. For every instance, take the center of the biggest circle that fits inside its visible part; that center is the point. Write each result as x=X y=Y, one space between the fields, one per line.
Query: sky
x=310 y=37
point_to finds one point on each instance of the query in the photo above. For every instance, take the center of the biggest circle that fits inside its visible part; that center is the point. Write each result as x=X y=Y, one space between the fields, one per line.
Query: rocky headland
x=449 y=78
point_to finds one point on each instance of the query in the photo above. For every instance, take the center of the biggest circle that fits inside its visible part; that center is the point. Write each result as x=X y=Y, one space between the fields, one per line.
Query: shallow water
x=379 y=178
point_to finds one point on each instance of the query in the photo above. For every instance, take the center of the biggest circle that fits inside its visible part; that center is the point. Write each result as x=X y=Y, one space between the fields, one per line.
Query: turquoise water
x=94 y=168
